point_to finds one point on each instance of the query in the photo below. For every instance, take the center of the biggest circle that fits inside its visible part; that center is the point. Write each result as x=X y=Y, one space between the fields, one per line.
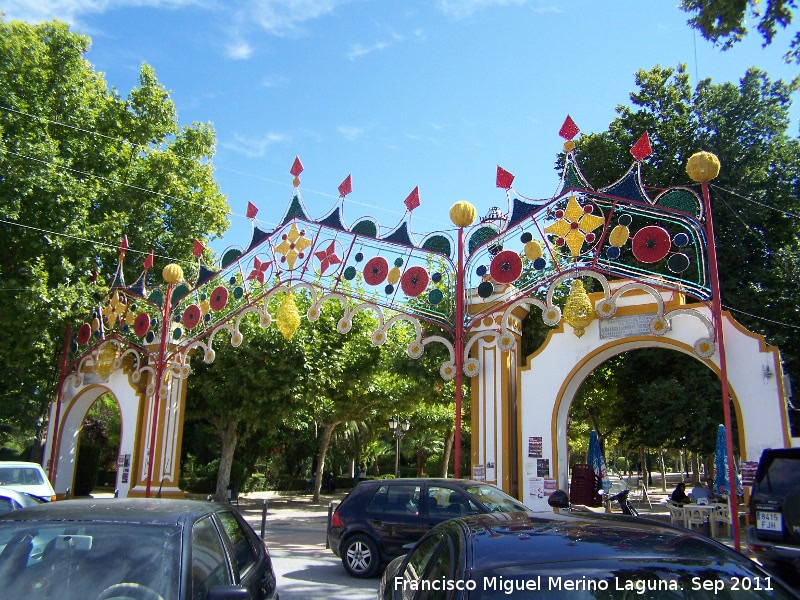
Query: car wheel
x=360 y=556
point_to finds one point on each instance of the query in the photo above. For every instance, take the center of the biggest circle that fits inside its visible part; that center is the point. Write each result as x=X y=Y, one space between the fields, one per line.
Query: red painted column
x=459 y=351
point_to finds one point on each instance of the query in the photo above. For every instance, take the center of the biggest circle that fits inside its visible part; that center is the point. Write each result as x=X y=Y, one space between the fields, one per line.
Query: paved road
x=295 y=536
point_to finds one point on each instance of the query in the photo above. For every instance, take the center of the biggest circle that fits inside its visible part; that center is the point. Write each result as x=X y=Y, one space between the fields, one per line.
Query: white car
x=26 y=477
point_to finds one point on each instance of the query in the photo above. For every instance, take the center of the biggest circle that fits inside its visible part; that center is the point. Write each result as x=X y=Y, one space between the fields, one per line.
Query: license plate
x=769 y=521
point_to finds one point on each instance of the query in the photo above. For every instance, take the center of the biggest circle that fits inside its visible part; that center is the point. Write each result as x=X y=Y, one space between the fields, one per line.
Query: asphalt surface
x=294 y=531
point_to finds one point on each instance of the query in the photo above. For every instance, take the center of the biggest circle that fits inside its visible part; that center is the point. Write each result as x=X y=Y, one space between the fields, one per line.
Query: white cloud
x=358 y=50
x=460 y=9
x=284 y=17
x=70 y=11
x=254 y=147
x=350 y=132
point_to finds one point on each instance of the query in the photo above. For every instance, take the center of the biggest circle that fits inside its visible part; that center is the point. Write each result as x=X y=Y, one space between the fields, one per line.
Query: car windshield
x=20 y=476
x=495 y=500
x=709 y=579
x=79 y=560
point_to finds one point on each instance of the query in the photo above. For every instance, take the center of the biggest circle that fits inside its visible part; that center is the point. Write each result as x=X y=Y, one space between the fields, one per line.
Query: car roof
x=508 y=539
x=19 y=463
x=114 y=510
x=429 y=480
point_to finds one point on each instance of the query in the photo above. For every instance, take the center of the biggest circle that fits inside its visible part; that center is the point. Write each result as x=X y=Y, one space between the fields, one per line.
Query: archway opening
x=98 y=447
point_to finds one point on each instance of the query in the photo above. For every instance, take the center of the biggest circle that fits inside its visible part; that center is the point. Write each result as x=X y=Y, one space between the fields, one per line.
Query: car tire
x=360 y=556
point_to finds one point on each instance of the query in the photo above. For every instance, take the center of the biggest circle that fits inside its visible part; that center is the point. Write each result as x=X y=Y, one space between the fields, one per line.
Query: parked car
x=773 y=534
x=26 y=477
x=14 y=500
x=378 y=517
x=572 y=556
x=146 y=549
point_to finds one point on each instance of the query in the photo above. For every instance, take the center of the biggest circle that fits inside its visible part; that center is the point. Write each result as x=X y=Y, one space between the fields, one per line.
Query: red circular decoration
x=414 y=281
x=506 y=267
x=651 y=244
x=219 y=297
x=376 y=270
x=84 y=334
x=191 y=316
x=142 y=324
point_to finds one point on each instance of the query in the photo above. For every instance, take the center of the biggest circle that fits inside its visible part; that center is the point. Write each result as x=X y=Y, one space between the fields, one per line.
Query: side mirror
x=558 y=499
x=229 y=592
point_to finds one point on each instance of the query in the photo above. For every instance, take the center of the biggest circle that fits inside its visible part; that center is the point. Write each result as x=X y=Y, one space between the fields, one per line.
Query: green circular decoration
x=230 y=256
x=238 y=292
x=485 y=289
x=398 y=262
x=156 y=297
x=350 y=273
x=678 y=263
x=179 y=291
x=177 y=333
x=435 y=296
x=481 y=235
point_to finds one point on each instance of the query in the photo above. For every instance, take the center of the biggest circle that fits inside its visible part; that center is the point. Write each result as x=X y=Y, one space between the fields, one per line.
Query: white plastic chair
x=694 y=516
x=676 y=514
x=721 y=520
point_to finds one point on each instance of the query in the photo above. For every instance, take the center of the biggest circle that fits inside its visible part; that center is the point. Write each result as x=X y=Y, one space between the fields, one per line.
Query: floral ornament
x=292 y=245
x=447 y=370
x=605 y=308
x=259 y=270
x=506 y=342
x=651 y=244
x=575 y=226
x=471 y=367
x=658 y=325
x=506 y=267
x=344 y=325
x=219 y=298
x=376 y=270
x=415 y=350
x=142 y=324
x=378 y=338
x=705 y=347
x=191 y=316
x=414 y=281
x=327 y=257
x=114 y=309
x=552 y=316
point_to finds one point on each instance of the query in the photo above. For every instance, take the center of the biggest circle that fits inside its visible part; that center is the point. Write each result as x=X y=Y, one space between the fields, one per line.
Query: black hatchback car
x=774 y=510
x=378 y=517
x=142 y=549
x=572 y=556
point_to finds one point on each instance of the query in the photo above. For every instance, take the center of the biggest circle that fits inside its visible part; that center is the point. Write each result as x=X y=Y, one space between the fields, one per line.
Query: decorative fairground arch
x=474 y=282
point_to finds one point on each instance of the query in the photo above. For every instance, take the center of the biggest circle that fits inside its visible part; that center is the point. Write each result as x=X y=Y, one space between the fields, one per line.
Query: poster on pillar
x=535 y=492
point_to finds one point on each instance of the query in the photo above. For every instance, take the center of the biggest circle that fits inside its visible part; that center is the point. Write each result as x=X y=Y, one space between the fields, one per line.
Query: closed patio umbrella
x=597 y=461
x=721 y=484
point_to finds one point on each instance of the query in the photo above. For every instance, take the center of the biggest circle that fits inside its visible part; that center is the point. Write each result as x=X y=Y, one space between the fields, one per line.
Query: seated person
x=679 y=494
x=703 y=495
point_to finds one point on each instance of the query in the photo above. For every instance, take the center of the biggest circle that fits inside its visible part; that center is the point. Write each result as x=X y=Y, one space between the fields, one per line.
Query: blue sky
x=400 y=93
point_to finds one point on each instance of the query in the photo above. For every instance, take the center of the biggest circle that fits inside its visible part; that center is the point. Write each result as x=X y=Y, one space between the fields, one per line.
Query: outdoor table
x=706 y=510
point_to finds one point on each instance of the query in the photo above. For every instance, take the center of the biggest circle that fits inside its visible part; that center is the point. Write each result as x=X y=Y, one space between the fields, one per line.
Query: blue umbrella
x=597 y=461
x=721 y=483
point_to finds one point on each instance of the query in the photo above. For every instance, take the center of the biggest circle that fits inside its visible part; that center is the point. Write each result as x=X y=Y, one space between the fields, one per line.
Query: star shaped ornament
x=292 y=246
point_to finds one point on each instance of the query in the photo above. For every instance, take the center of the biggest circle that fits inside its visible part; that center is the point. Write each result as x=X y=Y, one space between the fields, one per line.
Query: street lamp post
x=399 y=432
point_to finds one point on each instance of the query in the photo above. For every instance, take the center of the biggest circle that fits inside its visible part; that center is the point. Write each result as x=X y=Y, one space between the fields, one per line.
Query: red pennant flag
x=124 y=245
x=641 y=149
x=252 y=210
x=346 y=186
x=568 y=130
x=148 y=261
x=297 y=167
x=504 y=178
x=412 y=201
x=198 y=248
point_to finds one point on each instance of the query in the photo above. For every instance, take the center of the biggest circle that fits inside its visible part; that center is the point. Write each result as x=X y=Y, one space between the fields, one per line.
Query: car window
x=445 y=501
x=780 y=477
x=85 y=559
x=396 y=499
x=244 y=554
x=209 y=566
x=20 y=476
x=495 y=499
x=418 y=562
x=6 y=505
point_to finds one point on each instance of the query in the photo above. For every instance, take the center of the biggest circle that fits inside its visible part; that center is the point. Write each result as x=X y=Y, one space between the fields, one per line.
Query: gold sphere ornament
x=702 y=166
x=462 y=214
x=172 y=273
x=578 y=312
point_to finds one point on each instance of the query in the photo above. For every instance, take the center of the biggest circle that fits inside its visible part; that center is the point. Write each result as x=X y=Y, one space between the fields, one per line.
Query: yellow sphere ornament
x=172 y=273
x=462 y=214
x=702 y=166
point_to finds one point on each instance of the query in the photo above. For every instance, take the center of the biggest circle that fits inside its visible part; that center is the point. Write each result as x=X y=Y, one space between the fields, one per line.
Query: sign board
x=478 y=473
x=748 y=472
x=619 y=327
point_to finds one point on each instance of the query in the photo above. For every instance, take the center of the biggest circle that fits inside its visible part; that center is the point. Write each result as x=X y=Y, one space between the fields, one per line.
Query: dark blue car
x=145 y=549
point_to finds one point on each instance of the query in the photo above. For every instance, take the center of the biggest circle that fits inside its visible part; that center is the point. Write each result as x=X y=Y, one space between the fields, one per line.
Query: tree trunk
x=663 y=472
x=448 y=446
x=420 y=463
x=324 y=442
x=229 y=437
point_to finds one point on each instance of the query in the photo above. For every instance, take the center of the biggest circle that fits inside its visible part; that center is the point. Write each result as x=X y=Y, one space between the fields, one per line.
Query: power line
x=747 y=199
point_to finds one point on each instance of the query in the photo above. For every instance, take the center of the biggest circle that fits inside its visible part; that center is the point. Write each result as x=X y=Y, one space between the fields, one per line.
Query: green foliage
x=726 y=22
x=82 y=167
x=87 y=469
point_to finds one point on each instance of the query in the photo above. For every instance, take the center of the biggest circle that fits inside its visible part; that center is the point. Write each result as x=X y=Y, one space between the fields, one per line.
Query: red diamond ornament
x=641 y=149
x=504 y=178
x=568 y=130
x=297 y=167
x=412 y=201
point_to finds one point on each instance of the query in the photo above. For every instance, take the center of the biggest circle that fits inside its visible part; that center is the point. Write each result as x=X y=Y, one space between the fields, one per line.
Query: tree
x=81 y=167
x=725 y=22
x=754 y=199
